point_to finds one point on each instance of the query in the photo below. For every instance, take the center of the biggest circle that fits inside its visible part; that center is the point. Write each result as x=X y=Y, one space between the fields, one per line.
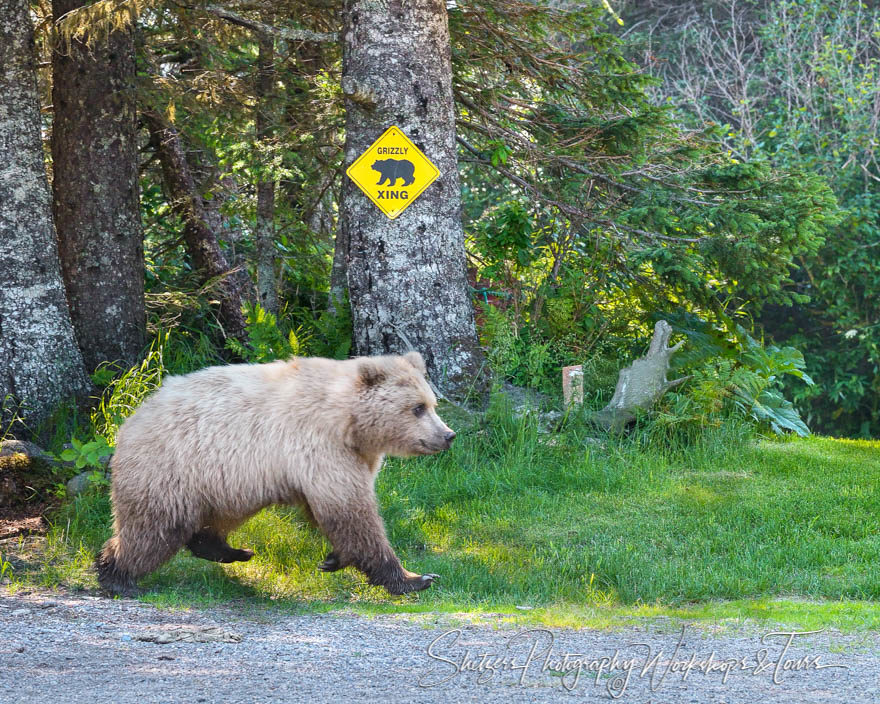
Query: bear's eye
x=419 y=410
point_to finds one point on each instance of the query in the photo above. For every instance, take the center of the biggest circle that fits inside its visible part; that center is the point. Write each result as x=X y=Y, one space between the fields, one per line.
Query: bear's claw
x=416 y=583
x=241 y=555
x=330 y=563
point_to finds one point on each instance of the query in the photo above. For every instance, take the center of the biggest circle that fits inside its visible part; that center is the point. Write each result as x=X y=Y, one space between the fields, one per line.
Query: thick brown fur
x=209 y=450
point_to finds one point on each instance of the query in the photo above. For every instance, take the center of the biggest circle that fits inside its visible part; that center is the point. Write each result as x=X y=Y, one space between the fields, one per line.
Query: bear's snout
x=444 y=442
x=438 y=441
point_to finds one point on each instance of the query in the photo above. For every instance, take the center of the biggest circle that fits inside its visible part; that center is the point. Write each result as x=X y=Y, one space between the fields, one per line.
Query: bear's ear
x=370 y=372
x=416 y=360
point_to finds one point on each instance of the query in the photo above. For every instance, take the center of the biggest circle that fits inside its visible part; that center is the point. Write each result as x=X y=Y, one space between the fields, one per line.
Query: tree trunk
x=198 y=236
x=95 y=193
x=406 y=277
x=40 y=363
x=267 y=284
x=338 y=271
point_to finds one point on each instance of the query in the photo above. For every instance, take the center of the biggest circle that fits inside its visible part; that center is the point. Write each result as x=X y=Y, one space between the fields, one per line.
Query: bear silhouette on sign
x=392 y=169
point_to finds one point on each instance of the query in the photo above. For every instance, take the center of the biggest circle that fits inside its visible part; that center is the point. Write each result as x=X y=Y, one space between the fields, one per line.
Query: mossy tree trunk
x=406 y=277
x=95 y=192
x=40 y=363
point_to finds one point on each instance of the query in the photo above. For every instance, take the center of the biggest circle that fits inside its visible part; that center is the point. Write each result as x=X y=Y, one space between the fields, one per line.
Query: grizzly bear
x=210 y=449
x=392 y=169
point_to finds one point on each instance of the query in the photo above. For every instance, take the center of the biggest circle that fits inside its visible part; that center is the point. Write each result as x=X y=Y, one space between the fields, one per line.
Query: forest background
x=712 y=164
x=178 y=199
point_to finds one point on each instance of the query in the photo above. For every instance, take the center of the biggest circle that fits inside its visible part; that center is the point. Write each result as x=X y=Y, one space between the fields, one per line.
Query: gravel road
x=71 y=648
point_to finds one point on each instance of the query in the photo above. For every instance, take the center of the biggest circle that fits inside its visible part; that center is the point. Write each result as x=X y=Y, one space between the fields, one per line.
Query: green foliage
x=525 y=357
x=604 y=178
x=87 y=454
x=506 y=235
x=126 y=392
x=5 y=569
x=595 y=210
x=803 y=100
x=755 y=392
x=831 y=126
x=266 y=341
x=733 y=373
x=330 y=333
x=246 y=122
x=10 y=415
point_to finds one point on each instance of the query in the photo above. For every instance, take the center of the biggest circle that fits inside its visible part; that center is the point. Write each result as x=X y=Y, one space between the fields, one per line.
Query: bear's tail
x=114 y=580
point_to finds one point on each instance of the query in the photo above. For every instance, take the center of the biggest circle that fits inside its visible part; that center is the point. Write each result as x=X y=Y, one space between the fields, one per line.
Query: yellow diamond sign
x=393 y=172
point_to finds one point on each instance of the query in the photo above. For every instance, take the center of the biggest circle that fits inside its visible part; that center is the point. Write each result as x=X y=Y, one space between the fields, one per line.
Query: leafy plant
x=127 y=391
x=737 y=373
x=800 y=96
x=10 y=414
x=759 y=393
x=5 y=568
x=87 y=454
x=330 y=333
x=266 y=341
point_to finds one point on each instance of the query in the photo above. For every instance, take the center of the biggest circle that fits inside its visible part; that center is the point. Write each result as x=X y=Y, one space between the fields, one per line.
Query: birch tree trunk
x=95 y=193
x=406 y=277
x=40 y=363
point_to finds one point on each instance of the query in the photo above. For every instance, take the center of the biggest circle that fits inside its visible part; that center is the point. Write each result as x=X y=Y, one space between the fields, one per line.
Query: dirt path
x=59 y=647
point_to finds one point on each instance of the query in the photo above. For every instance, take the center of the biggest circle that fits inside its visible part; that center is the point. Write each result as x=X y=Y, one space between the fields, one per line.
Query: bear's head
x=394 y=411
x=380 y=164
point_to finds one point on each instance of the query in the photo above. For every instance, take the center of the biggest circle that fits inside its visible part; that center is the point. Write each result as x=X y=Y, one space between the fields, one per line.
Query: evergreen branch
x=521 y=182
x=268 y=30
x=566 y=208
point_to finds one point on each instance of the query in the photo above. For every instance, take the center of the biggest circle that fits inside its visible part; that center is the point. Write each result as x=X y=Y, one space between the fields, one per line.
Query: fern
x=738 y=373
x=266 y=341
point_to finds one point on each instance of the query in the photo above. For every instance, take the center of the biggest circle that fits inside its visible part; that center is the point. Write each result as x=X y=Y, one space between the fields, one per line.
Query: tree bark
x=40 y=364
x=267 y=284
x=406 y=277
x=95 y=193
x=338 y=270
x=199 y=237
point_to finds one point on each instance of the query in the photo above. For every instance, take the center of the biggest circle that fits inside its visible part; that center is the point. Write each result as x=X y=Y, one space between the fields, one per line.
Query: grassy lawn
x=583 y=532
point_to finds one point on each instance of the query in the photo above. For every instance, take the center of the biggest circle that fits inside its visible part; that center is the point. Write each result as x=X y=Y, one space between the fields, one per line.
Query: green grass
x=727 y=528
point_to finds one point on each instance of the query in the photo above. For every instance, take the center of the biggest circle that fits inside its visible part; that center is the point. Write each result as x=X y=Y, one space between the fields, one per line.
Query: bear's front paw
x=243 y=555
x=331 y=563
x=415 y=583
x=124 y=591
